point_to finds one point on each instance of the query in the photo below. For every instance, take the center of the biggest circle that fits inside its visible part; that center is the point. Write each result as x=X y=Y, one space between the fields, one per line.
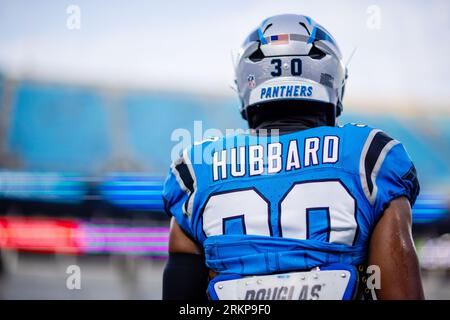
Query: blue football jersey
x=261 y=204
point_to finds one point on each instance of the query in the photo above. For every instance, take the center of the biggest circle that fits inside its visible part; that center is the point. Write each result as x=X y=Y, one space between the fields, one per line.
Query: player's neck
x=293 y=123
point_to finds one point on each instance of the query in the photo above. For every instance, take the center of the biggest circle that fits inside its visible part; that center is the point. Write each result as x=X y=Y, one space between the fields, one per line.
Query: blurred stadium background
x=86 y=118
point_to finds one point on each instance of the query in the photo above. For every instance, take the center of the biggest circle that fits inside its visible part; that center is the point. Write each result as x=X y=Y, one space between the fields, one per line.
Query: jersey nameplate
x=259 y=159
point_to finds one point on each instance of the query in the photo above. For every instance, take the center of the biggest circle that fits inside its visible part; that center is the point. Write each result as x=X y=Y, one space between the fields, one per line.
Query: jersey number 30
x=321 y=210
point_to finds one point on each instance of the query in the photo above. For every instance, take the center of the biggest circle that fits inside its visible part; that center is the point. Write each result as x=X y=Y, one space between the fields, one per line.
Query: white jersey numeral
x=328 y=202
x=330 y=196
x=248 y=205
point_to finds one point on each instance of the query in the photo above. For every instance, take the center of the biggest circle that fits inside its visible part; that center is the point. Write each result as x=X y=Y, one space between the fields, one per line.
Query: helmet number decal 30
x=277 y=71
x=296 y=67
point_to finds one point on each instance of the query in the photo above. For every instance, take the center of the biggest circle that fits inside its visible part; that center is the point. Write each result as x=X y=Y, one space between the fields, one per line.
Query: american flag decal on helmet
x=279 y=39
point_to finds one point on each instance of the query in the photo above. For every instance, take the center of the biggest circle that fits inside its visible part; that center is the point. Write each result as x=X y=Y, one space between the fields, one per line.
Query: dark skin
x=391 y=248
x=179 y=242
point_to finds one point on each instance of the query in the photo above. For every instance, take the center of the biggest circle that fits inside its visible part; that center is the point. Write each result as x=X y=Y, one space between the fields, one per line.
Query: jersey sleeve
x=387 y=172
x=397 y=177
x=177 y=192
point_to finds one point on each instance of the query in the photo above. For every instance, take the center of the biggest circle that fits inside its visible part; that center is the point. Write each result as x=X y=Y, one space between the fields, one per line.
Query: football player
x=297 y=198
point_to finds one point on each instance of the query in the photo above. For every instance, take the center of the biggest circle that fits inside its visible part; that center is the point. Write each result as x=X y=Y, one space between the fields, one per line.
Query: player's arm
x=185 y=276
x=392 y=249
x=390 y=182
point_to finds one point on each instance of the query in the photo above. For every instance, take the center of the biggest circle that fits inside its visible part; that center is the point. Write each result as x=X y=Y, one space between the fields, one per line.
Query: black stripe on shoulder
x=414 y=185
x=185 y=176
x=380 y=140
x=166 y=207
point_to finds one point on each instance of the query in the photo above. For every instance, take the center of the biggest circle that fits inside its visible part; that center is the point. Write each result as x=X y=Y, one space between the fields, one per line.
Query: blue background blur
x=87 y=117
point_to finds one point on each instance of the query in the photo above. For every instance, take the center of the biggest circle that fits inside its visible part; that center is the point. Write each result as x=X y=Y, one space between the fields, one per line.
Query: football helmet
x=291 y=58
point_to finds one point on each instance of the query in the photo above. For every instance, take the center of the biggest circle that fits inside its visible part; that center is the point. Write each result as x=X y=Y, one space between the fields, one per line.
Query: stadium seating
x=58 y=128
x=153 y=118
x=65 y=128
x=74 y=133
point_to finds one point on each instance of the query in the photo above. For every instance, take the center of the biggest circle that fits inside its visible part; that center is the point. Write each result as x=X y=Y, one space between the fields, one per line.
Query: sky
x=401 y=58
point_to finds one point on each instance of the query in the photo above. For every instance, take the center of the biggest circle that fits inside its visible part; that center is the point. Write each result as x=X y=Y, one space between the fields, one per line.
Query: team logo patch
x=251 y=82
